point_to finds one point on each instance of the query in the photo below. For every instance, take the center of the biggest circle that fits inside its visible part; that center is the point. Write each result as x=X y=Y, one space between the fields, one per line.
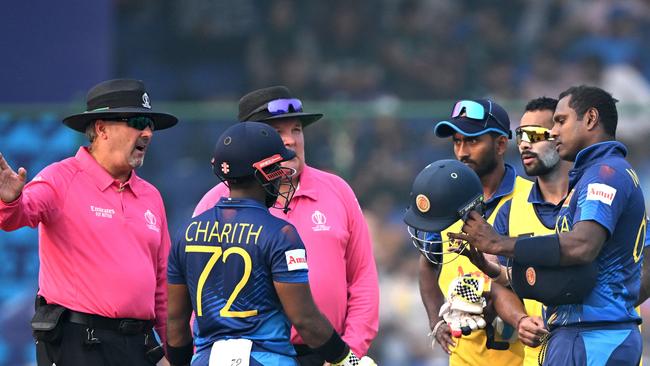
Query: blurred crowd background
x=382 y=71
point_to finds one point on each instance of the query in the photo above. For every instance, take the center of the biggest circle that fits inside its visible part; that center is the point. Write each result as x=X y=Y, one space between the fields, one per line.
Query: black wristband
x=334 y=350
x=538 y=250
x=180 y=355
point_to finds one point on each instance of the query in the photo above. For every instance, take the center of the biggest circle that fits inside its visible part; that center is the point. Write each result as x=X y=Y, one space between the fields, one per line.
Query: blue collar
x=598 y=151
x=593 y=154
x=535 y=197
x=240 y=202
x=507 y=185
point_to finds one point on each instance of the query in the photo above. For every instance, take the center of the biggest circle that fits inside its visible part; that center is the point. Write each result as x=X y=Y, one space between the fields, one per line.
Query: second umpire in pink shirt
x=103 y=238
x=342 y=270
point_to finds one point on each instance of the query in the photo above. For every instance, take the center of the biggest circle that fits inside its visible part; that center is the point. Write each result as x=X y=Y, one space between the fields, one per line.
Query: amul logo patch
x=319 y=219
x=296 y=259
x=150 y=218
x=601 y=192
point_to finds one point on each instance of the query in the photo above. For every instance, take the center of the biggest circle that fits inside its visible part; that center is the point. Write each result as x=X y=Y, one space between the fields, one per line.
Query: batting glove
x=463 y=310
x=352 y=360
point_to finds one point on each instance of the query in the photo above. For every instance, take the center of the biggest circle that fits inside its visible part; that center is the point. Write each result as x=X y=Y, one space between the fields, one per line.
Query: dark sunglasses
x=278 y=106
x=474 y=110
x=532 y=134
x=138 y=122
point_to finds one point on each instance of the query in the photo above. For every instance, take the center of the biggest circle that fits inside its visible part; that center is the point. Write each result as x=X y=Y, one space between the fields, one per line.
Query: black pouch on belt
x=46 y=323
x=154 y=350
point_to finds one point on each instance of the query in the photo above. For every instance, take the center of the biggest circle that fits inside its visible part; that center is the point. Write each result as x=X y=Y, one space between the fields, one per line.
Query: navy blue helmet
x=443 y=193
x=255 y=150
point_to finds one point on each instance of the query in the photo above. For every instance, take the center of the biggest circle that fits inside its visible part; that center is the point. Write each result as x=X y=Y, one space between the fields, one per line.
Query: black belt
x=121 y=325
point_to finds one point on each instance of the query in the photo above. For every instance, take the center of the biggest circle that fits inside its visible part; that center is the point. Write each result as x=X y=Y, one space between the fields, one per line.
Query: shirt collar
x=535 y=196
x=598 y=151
x=101 y=177
x=240 y=202
x=507 y=185
x=306 y=184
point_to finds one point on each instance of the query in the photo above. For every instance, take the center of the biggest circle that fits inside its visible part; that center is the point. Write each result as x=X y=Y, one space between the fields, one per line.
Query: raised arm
x=11 y=182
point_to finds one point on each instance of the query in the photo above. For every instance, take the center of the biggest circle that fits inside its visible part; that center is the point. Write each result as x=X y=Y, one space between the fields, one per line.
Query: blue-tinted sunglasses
x=474 y=110
x=138 y=122
x=279 y=106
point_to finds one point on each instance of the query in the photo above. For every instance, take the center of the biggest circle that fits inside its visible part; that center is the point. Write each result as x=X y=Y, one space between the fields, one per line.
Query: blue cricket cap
x=474 y=118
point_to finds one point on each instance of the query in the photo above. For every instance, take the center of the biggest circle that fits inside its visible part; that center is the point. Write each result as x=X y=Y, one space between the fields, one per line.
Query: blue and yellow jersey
x=471 y=350
x=604 y=188
x=229 y=258
x=527 y=213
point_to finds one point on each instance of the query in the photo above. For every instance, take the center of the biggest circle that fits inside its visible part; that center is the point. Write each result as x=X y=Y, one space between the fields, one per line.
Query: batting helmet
x=443 y=193
x=253 y=149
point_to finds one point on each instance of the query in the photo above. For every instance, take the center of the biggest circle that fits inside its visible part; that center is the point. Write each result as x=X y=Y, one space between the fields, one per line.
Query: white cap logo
x=145 y=101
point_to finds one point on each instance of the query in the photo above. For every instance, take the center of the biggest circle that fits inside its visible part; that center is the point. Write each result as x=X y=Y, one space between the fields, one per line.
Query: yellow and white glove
x=463 y=311
x=352 y=360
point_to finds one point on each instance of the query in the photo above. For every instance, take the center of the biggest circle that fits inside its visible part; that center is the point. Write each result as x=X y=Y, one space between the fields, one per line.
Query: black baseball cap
x=474 y=118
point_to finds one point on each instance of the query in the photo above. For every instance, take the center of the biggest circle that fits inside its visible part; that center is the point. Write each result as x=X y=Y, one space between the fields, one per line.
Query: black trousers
x=114 y=349
x=307 y=357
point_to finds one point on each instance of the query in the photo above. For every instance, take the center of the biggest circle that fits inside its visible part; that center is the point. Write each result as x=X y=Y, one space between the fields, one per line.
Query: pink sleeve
x=362 y=321
x=211 y=198
x=161 y=281
x=39 y=202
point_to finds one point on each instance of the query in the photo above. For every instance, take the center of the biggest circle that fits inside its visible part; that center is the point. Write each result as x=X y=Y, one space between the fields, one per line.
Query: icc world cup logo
x=150 y=218
x=319 y=219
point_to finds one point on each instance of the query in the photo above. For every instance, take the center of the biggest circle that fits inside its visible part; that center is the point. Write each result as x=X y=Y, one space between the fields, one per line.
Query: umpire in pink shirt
x=342 y=270
x=103 y=238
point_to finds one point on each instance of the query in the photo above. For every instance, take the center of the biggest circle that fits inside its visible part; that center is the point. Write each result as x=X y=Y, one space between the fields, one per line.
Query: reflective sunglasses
x=532 y=134
x=138 y=122
x=279 y=106
x=474 y=110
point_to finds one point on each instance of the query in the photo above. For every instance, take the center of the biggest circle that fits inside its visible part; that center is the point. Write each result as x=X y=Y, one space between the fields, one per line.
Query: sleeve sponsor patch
x=296 y=259
x=601 y=192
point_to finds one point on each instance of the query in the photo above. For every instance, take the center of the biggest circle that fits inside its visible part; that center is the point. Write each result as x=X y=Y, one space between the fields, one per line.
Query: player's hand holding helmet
x=443 y=193
x=463 y=311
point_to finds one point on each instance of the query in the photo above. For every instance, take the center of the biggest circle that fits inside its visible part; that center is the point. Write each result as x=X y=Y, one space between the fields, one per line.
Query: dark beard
x=486 y=167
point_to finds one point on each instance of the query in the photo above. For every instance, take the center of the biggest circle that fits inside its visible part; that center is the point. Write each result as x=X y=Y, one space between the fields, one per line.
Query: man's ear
x=100 y=129
x=501 y=143
x=591 y=118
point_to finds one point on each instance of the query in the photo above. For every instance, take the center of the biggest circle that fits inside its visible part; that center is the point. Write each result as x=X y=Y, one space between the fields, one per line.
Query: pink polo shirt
x=102 y=249
x=342 y=270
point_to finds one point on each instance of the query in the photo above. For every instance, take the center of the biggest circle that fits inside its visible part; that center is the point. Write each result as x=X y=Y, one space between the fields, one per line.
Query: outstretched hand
x=11 y=183
x=479 y=234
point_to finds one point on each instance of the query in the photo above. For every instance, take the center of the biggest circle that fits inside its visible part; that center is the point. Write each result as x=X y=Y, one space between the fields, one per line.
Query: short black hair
x=242 y=182
x=584 y=97
x=541 y=104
